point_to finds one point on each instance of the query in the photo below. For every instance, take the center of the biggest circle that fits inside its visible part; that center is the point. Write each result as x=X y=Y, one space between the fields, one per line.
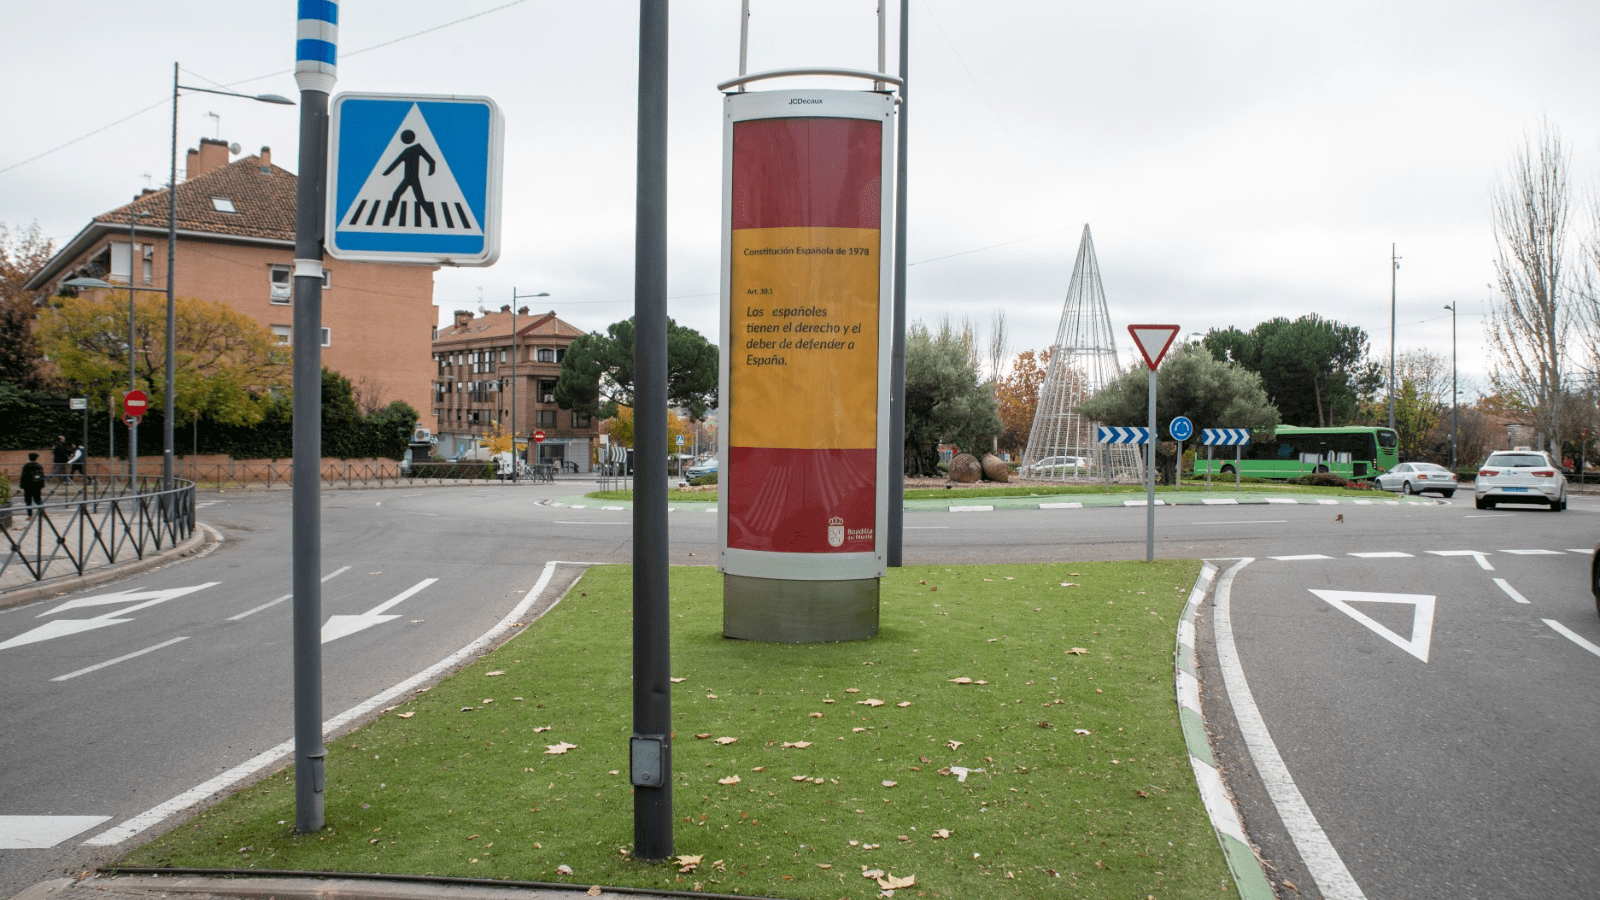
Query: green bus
x=1352 y=451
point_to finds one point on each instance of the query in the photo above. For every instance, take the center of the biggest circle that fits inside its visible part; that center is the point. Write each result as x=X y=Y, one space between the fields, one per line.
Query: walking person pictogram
x=411 y=159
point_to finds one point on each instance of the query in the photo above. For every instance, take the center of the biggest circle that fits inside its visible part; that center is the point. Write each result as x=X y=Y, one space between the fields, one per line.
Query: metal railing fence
x=88 y=523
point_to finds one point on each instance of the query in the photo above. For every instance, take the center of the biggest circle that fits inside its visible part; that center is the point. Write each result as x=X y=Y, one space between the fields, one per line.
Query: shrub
x=708 y=478
x=1320 y=479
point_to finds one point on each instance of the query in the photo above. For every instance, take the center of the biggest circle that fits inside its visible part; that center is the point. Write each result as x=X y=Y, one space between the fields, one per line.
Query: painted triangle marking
x=1421 y=618
x=42 y=832
x=411 y=189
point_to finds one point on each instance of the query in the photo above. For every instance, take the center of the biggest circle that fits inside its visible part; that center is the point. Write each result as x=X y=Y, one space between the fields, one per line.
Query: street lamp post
x=1393 y=275
x=133 y=375
x=1455 y=397
x=172 y=262
x=514 y=298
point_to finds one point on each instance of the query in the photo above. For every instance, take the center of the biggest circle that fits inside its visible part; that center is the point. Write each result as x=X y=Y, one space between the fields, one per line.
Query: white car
x=1520 y=476
x=1057 y=465
x=1417 y=477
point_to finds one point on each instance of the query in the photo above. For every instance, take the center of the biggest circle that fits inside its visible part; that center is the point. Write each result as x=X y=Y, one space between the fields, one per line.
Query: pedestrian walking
x=32 y=483
x=60 y=452
x=75 y=462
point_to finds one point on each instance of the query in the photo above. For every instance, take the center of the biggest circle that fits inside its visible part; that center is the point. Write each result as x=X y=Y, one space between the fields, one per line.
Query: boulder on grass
x=995 y=468
x=965 y=469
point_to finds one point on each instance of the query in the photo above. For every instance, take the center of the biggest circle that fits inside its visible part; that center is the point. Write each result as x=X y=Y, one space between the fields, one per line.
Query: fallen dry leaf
x=1081 y=731
x=731 y=779
x=962 y=680
x=494 y=673
x=871 y=873
x=887 y=783
x=852 y=690
x=688 y=863
x=725 y=740
x=558 y=749
x=542 y=728
x=869 y=702
x=941 y=833
x=593 y=891
x=903 y=704
x=889 y=882
x=406 y=715
x=953 y=745
x=816 y=715
x=798 y=745
x=563 y=869
x=702 y=736
x=678 y=680
x=1077 y=651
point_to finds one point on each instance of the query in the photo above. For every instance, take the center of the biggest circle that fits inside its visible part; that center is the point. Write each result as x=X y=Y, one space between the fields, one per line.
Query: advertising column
x=805 y=364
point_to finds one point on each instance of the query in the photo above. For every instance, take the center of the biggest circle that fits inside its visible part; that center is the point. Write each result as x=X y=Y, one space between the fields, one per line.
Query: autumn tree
x=22 y=254
x=1017 y=394
x=1531 y=320
x=227 y=364
x=946 y=402
x=1422 y=396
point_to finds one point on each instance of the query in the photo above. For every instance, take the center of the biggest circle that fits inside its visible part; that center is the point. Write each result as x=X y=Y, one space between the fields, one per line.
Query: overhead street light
x=172 y=259
x=99 y=284
x=1455 y=396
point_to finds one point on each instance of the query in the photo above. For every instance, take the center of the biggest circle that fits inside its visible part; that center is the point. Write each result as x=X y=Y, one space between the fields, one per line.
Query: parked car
x=1417 y=477
x=1522 y=475
x=1056 y=465
x=709 y=467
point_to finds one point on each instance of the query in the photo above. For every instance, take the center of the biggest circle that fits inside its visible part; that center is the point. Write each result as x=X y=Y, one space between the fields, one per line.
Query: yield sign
x=1421 y=617
x=1153 y=341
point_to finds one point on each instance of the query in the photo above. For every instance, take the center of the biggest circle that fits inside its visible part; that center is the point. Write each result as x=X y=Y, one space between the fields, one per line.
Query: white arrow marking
x=338 y=626
x=1573 y=636
x=128 y=596
x=65 y=627
x=1421 y=619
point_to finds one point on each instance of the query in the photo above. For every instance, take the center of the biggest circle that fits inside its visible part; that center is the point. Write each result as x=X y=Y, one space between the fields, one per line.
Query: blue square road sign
x=414 y=179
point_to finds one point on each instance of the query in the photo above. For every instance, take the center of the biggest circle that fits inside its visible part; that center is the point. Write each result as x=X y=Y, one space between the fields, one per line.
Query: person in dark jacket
x=32 y=483
x=60 y=452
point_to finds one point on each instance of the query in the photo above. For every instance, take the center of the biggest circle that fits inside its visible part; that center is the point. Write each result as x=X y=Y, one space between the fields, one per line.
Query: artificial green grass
x=844 y=758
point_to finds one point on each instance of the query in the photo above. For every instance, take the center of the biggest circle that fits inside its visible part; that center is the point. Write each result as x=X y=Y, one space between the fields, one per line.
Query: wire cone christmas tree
x=1082 y=361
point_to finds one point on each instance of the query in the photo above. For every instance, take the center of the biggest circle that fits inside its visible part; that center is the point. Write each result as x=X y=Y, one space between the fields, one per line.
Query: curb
x=1248 y=875
x=1031 y=503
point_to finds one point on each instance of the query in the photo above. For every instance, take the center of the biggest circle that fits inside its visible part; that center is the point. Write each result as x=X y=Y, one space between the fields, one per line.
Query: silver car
x=1520 y=476
x=1417 y=477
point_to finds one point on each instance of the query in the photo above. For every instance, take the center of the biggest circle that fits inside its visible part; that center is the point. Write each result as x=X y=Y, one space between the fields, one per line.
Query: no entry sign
x=135 y=403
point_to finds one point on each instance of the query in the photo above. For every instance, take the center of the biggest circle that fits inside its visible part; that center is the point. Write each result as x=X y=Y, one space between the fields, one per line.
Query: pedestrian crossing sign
x=414 y=179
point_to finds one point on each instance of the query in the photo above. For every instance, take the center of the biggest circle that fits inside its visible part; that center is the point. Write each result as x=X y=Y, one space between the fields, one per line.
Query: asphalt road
x=1465 y=775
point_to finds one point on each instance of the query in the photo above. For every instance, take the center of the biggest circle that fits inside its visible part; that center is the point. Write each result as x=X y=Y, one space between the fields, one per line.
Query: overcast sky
x=1235 y=161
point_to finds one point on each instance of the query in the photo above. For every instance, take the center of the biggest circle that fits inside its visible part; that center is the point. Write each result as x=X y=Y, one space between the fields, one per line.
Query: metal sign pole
x=316 y=54
x=1150 y=476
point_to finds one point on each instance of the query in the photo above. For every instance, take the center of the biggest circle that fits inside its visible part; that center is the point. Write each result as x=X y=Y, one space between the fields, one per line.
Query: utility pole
x=1395 y=260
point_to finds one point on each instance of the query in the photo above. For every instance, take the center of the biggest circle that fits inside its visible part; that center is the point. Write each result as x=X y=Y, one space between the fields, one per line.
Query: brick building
x=476 y=360
x=236 y=245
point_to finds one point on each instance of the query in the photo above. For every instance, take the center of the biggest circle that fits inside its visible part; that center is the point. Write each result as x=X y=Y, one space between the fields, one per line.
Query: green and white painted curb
x=1242 y=861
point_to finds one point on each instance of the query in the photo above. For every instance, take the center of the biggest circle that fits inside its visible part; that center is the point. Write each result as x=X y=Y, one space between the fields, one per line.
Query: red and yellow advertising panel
x=805 y=352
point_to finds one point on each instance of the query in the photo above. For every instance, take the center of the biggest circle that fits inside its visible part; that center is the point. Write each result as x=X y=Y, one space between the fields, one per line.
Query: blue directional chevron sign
x=1117 y=434
x=1224 y=437
x=414 y=179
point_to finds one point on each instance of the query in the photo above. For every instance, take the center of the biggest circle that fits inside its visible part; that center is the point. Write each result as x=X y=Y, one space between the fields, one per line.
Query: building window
x=222 y=204
x=547 y=354
x=547 y=390
x=283 y=333
x=327 y=337
x=547 y=418
x=579 y=419
x=282 y=283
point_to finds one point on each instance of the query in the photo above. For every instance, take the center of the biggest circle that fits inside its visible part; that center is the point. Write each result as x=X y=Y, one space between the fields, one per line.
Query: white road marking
x=1323 y=861
x=1510 y=591
x=1480 y=556
x=1532 y=552
x=248 y=769
x=972 y=509
x=1383 y=554
x=65 y=627
x=271 y=603
x=1065 y=505
x=580 y=522
x=1307 y=556
x=1246 y=522
x=1421 y=617
x=111 y=662
x=1573 y=636
x=42 y=832
x=341 y=626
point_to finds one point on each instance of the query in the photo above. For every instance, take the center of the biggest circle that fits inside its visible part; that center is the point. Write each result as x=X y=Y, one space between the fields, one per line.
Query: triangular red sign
x=1153 y=341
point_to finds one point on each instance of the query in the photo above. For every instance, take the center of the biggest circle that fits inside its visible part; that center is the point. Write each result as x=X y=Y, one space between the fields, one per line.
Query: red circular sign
x=134 y=403
x=538 y=437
